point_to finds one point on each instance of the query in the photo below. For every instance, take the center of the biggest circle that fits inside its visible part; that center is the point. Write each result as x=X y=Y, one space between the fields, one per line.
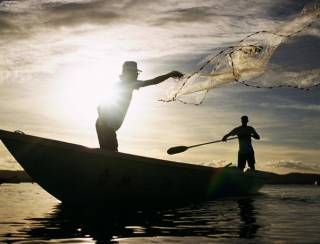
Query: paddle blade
x=178 y=149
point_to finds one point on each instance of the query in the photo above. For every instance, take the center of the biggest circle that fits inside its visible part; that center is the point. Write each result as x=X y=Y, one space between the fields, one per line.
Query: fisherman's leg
x=251 y=161
x=107 y=136
x=113 y=140
x=241 y=161
x=99 y=130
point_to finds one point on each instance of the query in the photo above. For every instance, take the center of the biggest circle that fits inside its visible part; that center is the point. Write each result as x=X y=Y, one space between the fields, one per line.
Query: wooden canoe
x=79 y=175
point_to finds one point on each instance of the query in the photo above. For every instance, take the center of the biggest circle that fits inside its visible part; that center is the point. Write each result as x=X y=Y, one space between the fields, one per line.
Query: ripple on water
x=281 y=213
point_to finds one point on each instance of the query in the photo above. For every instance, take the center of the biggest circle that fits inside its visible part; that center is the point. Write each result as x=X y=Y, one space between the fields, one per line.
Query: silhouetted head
x=244 y=120
x=130 y=71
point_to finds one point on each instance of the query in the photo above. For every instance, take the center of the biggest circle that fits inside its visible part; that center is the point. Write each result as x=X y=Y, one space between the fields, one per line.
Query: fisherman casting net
x=248 y=63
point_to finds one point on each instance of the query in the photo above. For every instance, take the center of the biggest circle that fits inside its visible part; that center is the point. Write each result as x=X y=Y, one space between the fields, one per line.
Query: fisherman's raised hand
x=175 y=74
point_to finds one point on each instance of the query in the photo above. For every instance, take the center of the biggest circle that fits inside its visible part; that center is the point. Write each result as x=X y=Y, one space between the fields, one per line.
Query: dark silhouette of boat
x=77 y=175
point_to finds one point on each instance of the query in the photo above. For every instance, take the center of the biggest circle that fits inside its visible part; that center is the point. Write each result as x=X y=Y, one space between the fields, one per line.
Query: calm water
x=281 y=214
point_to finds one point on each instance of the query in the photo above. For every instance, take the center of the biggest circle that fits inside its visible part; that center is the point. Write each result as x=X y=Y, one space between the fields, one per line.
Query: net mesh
x=248 y=63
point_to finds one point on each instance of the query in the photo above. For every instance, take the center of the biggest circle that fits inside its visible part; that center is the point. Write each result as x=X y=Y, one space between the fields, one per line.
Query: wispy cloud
x=297 y=166
x=307 y=107
x=186 y=15
x=5 y=25
x=284 y=9
x=77 y=13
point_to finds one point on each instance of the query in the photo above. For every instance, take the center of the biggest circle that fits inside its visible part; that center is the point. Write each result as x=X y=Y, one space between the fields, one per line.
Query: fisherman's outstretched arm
x=161 y=78
x=231 y=133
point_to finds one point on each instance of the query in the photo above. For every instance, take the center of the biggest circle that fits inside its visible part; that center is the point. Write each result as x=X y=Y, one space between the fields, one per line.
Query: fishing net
x=248 y=63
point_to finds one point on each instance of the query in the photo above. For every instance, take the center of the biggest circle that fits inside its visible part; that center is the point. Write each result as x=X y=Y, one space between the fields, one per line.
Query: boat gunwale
x=75 y=147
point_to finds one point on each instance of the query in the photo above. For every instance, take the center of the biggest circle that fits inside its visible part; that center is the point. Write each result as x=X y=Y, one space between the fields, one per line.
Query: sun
x=82 y=89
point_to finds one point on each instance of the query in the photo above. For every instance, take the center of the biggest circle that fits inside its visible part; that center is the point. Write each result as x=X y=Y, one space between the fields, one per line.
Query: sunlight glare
x=82 y=89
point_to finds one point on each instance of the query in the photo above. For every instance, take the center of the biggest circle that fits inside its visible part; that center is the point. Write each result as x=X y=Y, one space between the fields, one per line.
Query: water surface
x=280 y=214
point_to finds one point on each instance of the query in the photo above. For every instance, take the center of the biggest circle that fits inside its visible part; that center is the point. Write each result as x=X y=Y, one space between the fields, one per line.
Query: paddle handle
x=206 y=143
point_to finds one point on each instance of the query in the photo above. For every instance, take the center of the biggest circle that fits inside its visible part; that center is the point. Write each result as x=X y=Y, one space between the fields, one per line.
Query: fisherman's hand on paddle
x=175 y=74
x=224 y=138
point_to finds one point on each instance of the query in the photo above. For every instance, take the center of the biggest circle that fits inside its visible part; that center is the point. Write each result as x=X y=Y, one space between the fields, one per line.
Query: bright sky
x=58 y=58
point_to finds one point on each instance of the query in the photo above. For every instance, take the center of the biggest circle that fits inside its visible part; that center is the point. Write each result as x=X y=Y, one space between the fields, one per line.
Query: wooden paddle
x=180 y=149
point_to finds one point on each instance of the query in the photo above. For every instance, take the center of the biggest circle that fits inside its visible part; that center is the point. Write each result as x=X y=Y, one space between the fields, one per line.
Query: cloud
x=299 y=53
x=216 y=163
x=77 y=13
x=32 y=16
x=4 y=24
x=297 y=165
x=186 y=15
x=68 y=7
x=285 y=9
x=306 y=107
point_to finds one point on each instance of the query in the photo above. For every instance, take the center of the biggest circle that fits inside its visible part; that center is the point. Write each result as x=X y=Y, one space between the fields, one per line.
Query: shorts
x=246 y=157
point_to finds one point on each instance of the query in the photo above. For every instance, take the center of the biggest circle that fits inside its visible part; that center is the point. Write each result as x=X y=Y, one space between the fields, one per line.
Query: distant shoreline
x=19 y=176
x=290 y=178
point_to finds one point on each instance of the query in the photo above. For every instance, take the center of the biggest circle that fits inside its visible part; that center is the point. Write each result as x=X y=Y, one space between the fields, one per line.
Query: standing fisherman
x=246 y=152
x=111 y=116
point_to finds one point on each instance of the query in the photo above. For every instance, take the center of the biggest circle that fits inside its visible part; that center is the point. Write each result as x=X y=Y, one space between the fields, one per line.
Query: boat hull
x=78 y=175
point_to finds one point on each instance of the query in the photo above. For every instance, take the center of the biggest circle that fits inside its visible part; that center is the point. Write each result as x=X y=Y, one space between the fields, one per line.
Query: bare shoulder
x=236 y=129
x=251 y=128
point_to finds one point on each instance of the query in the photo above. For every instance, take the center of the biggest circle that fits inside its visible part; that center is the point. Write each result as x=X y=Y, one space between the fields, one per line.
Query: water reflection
x=215 y=219
x=28 y=215
x=248 y=227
